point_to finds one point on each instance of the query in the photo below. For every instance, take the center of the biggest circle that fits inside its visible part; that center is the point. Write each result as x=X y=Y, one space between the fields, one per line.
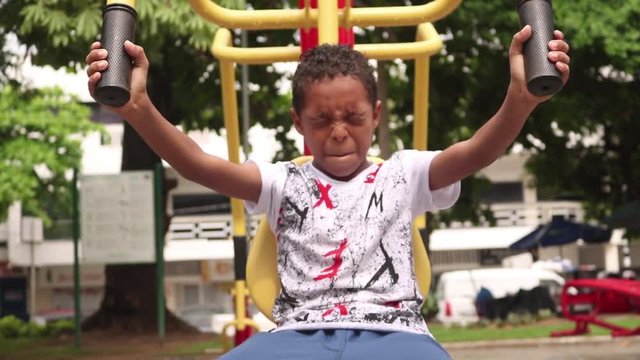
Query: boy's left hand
x=558 y=50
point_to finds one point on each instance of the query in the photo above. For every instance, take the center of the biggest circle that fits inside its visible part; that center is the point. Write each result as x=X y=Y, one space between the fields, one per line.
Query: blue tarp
x=561 y=231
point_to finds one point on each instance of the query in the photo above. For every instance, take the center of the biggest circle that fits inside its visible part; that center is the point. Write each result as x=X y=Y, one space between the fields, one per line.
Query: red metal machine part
x=309 y=37
x=598 y=297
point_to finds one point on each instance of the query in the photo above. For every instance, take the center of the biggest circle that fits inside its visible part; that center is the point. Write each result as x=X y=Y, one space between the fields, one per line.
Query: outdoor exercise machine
x=325 y=21
x=332 y=21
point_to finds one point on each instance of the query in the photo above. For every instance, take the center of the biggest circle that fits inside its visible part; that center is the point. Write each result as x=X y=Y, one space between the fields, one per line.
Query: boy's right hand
x=97 y=63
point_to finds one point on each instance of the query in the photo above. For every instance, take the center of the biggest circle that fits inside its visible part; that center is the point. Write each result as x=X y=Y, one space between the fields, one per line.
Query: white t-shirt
x=345 y=254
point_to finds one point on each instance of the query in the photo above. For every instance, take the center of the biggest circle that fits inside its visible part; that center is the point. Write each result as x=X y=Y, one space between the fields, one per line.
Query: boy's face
x=337 y=122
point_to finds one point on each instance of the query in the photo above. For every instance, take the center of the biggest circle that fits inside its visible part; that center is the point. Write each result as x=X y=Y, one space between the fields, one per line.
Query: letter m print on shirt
x=376 y=202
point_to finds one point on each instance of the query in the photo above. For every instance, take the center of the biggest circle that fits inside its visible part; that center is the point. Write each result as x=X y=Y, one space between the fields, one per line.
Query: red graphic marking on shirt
x=279 y=220
x=331 y=271
x=339 y=307
x=393 y=304
x=372 y=175
x=324 y=195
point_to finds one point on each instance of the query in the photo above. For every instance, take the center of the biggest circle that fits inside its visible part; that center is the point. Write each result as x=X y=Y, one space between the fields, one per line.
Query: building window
x=191 y=295
x=505 y=192
x=201 y=204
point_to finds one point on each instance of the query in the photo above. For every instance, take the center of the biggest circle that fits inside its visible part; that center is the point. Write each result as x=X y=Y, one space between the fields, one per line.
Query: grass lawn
x=147 y=347
x=541 y=329
x=107 y=347
x=11 y=349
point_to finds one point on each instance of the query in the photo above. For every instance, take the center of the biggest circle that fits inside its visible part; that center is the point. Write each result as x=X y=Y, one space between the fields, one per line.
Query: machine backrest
x=262 y=264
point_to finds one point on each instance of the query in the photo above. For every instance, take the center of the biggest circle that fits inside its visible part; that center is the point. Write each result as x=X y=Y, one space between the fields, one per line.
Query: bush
x=430 y=307
x=31 y=330
x=11 y=327
x=60 y=327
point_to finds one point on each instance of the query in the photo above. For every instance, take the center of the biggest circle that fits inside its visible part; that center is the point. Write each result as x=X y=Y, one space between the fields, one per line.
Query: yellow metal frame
x=307 y=17
x=239 y=293
x=427 y=43
x=131 y=3
x=327 y=18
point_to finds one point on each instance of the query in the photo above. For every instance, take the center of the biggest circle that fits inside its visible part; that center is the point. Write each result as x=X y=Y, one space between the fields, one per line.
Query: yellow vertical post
x=230 y=112
x=328 y=21
x=421 y=113
x=131 y=3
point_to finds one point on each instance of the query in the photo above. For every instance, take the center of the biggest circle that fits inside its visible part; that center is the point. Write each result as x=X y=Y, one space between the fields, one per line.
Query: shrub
x=10 y=327
x=430 y=307
x=31 y=330
x=60 y=327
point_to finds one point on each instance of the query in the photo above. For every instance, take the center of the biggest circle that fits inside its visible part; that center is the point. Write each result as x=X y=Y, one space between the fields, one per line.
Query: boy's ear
x=297 y=122
x=377 y=111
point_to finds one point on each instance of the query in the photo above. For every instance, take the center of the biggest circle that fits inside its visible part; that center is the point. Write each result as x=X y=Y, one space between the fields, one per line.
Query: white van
x=456 y=290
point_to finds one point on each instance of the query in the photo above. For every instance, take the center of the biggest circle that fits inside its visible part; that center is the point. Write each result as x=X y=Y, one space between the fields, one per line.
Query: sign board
x=117 y=223
x=57 y=277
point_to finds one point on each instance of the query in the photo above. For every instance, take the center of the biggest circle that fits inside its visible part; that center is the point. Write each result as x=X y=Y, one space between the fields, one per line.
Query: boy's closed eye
x=355 y=118
x=319 y=121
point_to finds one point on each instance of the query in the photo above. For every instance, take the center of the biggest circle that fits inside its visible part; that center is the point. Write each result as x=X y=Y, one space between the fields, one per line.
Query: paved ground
x=584 y=348
x=116 y=346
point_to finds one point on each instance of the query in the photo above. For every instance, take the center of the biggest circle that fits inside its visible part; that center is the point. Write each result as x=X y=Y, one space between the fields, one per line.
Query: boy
x=343 y=224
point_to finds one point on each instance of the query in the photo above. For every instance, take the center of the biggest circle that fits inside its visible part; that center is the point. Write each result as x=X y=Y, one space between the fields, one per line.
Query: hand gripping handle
x=118 y=25
x=543 y=78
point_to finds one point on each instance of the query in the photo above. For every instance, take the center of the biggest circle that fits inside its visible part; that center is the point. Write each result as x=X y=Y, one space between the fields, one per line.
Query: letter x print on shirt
x=340 y=307
x=324 y=195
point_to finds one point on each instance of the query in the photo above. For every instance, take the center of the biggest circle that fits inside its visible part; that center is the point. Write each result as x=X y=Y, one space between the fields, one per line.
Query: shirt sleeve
x=273 y=177
x=418 y=164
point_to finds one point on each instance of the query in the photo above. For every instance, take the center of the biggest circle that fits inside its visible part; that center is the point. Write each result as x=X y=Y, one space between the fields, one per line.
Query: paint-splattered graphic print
x=345 y=254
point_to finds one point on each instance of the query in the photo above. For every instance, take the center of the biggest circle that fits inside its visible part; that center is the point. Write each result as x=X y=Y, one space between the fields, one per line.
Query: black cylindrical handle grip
x=118 y=25
x=240 y=257
x=542 y=76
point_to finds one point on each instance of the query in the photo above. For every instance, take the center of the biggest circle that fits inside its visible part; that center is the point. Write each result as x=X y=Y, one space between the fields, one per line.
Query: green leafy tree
x=581 y=140
x=181 y=84
x=592 y=152
x=40 y=134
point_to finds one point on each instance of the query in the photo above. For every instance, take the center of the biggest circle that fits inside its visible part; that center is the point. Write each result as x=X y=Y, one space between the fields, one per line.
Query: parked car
x=210 y=319
x=456 y=291
x=200 y=317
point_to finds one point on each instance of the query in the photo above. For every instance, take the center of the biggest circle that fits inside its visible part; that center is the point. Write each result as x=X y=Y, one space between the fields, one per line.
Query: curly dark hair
x=329 y=61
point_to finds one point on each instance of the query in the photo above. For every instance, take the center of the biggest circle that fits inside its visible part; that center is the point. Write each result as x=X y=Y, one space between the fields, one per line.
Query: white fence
x=206 y=227
x=525 y=214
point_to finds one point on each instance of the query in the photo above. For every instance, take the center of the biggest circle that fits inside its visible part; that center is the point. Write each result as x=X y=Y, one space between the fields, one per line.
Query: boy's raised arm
x=235 y=180
x=496 y=135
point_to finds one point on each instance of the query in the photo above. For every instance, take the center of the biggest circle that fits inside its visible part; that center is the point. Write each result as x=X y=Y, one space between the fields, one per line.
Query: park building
x=36 y=264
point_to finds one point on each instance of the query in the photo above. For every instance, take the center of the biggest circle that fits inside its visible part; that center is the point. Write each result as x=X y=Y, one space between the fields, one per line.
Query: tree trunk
x=384 y=133
x=130 y=294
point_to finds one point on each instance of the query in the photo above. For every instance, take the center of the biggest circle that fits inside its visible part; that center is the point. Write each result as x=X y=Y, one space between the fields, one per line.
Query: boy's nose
x=339 y=132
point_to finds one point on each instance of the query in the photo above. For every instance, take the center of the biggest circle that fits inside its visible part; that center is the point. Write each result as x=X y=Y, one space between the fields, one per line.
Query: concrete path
x=570 y=348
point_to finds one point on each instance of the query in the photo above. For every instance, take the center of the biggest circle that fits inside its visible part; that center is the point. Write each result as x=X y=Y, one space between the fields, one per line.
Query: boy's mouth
x=341 y=155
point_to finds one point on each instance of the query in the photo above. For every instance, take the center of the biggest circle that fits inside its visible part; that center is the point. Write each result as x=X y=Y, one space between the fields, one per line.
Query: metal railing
x=219 y=227
x=531 y=214
x=206 y=227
